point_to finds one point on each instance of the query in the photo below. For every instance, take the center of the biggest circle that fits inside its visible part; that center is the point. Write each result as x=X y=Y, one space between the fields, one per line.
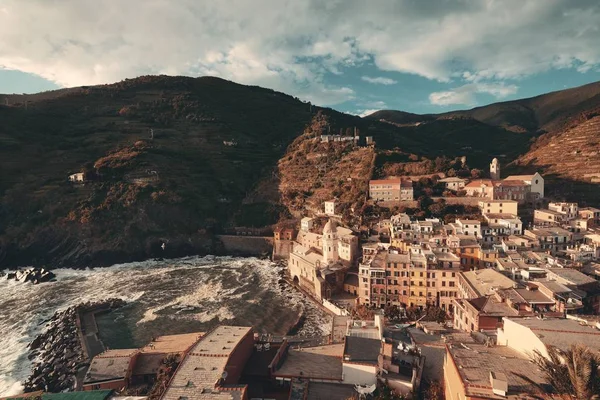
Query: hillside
x=554 y=133
x=212 y=141
x=570 y=158
x=175 y=160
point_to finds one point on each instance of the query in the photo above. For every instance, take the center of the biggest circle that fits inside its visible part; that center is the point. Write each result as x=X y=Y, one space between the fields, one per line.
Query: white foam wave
x=205 y=284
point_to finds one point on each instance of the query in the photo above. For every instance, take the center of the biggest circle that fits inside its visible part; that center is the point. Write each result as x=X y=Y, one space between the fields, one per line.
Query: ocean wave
x=185 y=291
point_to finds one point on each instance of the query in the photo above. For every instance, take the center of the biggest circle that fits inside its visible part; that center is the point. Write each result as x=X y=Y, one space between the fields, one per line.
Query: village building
x=480 y=188
x=590 y=213
x=329 y=207
x=483 y=282
x=391 y=190
x=553 y=239
x=77 y=177
x=474 y=371
x=531 y=335
x=319 y=262
x=453 y=183
x=499 y=207
x=422 y=276
x=111 y=369
x=511 y=190
x=121 y=368
x=212 y=368
x=535 y=182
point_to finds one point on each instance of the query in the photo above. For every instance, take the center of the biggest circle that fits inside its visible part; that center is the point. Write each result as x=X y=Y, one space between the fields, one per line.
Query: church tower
x=495 y=169
x=330 y=243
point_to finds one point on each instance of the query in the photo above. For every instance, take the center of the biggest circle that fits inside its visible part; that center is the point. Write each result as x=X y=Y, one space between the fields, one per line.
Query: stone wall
x=246 y=245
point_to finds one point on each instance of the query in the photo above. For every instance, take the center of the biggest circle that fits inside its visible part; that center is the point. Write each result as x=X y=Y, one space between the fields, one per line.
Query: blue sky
x=422 y=56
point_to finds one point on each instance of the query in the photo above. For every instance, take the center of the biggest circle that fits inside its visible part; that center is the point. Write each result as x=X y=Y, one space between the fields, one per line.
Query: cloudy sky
x=356 y=56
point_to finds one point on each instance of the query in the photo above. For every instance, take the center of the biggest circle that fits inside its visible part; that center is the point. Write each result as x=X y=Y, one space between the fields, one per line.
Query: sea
x=163 y=297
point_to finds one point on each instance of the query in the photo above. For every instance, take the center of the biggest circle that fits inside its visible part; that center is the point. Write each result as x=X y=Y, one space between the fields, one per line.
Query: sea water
x=164 y=297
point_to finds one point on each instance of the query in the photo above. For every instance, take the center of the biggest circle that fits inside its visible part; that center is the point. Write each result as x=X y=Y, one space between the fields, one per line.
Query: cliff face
x=171 y=161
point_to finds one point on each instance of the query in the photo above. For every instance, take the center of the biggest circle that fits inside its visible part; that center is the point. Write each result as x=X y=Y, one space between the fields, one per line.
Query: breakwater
x=61 y=352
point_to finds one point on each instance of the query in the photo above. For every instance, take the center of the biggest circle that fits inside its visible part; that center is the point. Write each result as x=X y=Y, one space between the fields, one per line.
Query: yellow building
x=499 y=207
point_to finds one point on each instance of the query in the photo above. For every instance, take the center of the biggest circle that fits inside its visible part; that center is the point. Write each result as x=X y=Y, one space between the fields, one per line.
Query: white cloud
x=292 y=45
x=379 y=80
x=466 y=94
x=364 y=113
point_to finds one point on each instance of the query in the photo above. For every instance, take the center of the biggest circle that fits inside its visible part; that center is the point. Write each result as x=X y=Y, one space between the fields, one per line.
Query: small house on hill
x=77 y=177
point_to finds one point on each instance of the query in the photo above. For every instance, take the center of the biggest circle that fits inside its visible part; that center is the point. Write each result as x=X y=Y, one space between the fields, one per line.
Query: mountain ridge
x=177 y=160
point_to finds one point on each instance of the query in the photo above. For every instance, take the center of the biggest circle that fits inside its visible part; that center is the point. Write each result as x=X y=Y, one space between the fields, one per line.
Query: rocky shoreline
x=33 y=275
x=58 y=353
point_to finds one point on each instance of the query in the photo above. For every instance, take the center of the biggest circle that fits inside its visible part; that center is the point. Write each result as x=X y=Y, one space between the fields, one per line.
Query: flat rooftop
x=320 y=362
x=475 y=361
x=573 y=276
x=172 y=343
x=486 y=281
x=361 y=350
x=562 y=333
x=110 y=365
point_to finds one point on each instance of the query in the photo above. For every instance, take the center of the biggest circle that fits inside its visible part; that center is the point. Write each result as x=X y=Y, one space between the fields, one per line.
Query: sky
x=421 y=56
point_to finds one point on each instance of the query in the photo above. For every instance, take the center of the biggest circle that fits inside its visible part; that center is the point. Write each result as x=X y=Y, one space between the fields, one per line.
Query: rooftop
x=519 y=177
x=571 y=276
x=361 y=350
x=321 y=362
x=486 y=281
x=479 y=182
x=562 y=333
x=475 y=362
x=172 y=343
x=491 y=306
x=110 y=365
x=199 y=374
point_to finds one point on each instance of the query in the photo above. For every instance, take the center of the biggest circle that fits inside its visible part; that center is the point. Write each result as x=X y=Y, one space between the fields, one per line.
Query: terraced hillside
x=570 y=158
x=312 y=172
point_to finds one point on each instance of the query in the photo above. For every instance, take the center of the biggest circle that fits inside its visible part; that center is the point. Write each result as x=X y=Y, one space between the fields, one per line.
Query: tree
x=451 y=172
x=393 y=313
x=437 y=209
x=572 y=372
x=476 y=173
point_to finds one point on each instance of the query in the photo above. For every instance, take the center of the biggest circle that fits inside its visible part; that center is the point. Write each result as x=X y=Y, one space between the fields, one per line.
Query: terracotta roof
x=511 y=183
x=479 y=182
x=519 y=177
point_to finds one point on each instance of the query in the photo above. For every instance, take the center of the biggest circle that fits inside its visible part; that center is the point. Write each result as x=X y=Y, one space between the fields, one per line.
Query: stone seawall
x=246 y=245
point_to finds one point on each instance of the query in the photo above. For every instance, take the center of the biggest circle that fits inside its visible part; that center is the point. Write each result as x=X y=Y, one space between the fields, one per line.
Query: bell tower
x=495 y=170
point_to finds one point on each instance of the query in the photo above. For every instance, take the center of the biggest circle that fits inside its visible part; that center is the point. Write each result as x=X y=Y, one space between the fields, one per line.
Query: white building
x=306 y=224
x=330 y=207
x=454 y=183
x=78 y=177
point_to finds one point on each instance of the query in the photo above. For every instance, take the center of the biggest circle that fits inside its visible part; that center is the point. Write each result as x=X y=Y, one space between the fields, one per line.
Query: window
x=443 y=283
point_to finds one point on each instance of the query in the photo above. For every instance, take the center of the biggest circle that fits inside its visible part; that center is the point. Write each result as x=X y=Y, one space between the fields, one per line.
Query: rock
x=35 y=343
x=33 y=275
